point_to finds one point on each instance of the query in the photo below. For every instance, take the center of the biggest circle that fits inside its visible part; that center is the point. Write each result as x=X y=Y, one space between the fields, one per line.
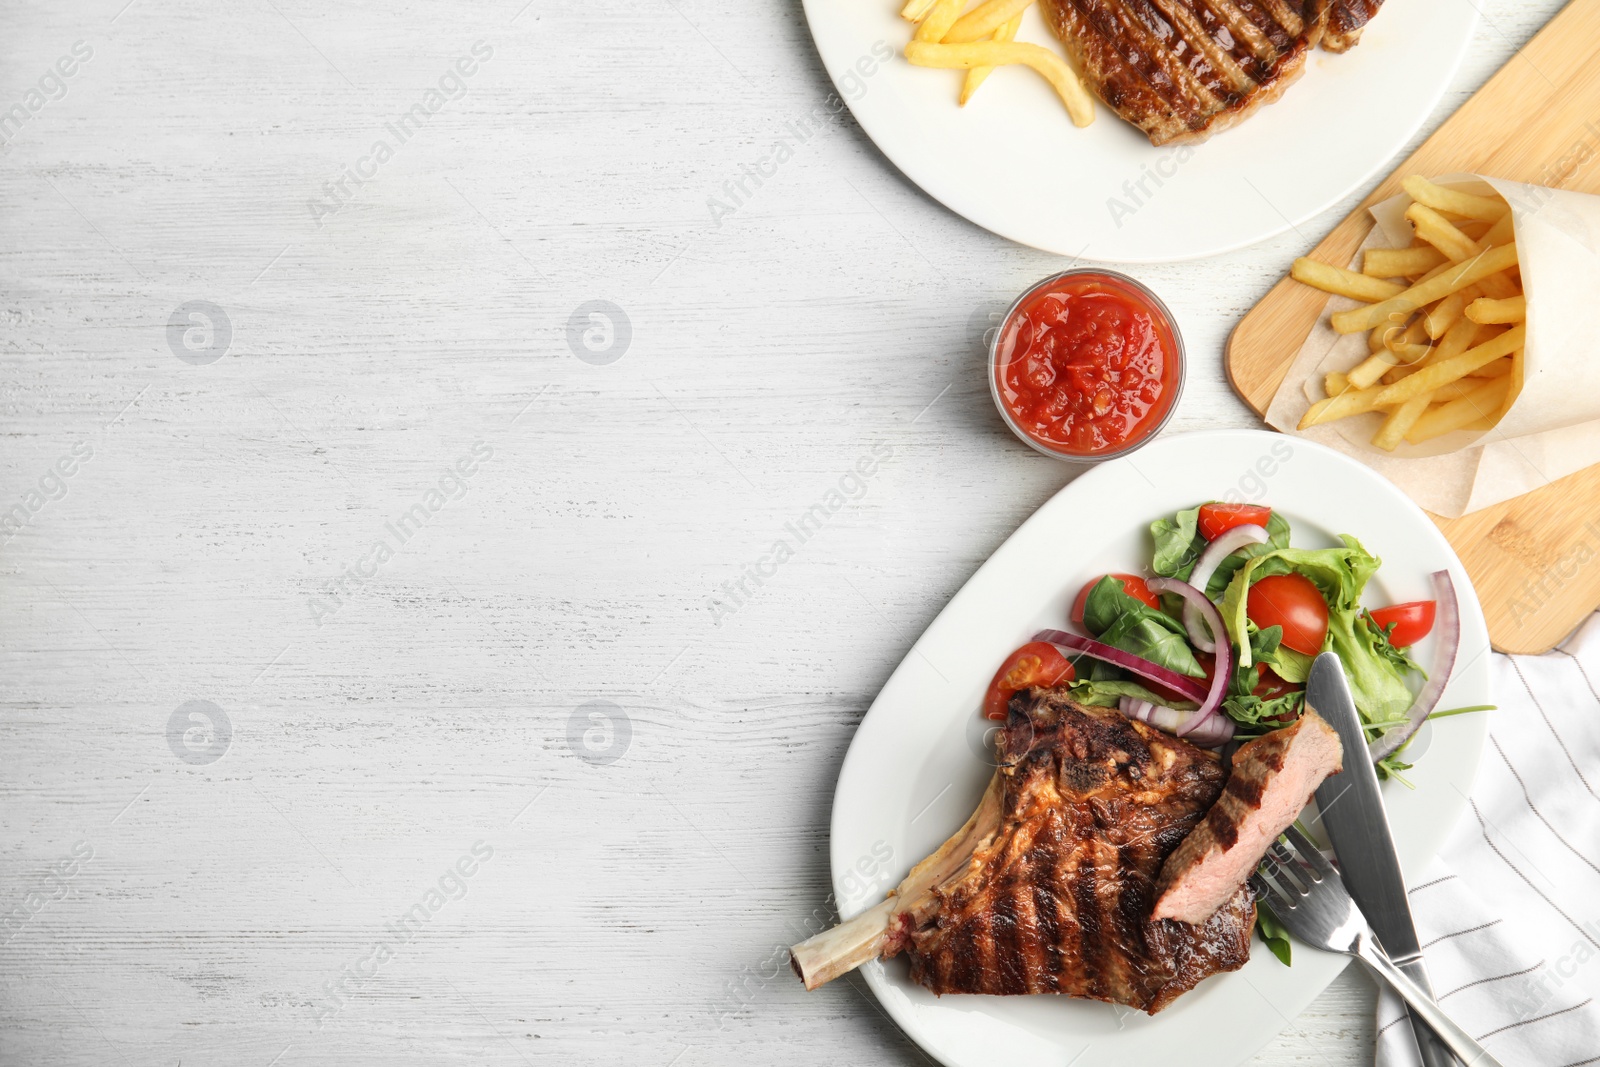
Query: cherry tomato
x=1412 y=622
x=1293 y=602
x=1218 y=519
x=1269 y=686
x=1208 y=663
x=1132 y=584
x=1036 y=663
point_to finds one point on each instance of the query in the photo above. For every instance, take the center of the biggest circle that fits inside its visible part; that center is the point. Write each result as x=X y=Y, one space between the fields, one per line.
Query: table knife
x=1357 y=826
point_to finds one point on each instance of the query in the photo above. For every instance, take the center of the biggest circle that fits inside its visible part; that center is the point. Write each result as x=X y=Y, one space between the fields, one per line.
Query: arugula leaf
x=1273 y=933
x=1107 y=693
x=1249 y=710
x=1178 y=544
x=1130 y=624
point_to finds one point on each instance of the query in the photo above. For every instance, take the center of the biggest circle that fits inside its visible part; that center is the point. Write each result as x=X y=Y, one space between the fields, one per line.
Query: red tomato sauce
x=1088 y=363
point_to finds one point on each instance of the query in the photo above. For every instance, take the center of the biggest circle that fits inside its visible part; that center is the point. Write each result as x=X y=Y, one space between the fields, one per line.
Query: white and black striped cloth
x=1509 y=916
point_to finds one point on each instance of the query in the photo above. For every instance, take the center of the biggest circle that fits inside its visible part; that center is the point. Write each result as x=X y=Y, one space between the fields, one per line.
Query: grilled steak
x=1057 y=898
x=1272 y=781
x=1346 y=20
x=1181 y=70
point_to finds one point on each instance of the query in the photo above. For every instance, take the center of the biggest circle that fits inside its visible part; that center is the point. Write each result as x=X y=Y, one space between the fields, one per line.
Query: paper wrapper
x=1553 y=428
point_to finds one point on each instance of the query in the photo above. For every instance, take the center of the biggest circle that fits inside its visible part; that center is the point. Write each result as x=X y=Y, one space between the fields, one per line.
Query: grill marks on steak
x=1057 y=899
x=1346 y=20
x=1181 y=70
x=1274 y=777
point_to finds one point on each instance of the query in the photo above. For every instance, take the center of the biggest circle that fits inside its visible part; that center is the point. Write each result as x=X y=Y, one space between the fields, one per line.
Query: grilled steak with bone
x=1048 y=888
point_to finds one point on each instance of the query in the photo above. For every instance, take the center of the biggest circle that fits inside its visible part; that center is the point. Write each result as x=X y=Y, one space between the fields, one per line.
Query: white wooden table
x=478 y=775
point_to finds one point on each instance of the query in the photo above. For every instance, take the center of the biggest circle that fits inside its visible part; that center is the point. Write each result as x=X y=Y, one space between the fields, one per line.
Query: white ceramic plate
x=918 y=763
x=1012 y=162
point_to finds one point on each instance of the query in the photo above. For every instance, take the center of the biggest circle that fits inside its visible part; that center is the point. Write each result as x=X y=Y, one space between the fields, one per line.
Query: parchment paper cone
x=1553 y=428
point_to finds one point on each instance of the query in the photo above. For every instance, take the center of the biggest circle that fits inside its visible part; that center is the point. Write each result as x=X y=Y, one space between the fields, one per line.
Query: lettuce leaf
x=1376 y=669
x=1277 y=537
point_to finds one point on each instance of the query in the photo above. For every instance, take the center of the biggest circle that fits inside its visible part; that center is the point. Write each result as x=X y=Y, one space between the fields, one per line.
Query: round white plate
x=918 y=764
x=1013 y=163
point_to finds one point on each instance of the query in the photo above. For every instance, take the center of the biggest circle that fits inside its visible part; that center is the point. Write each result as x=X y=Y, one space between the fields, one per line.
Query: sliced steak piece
x=1048 y=888
x=1181 y=70
x=1346 y=20
x=1272 y=782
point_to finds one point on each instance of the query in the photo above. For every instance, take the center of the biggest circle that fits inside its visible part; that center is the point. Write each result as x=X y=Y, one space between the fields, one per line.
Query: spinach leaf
x=1130 y=624
x=1178 y=544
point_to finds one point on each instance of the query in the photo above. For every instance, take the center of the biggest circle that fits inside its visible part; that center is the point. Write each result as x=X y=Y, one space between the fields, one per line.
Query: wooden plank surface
x=1534 y=560
x=630 y=908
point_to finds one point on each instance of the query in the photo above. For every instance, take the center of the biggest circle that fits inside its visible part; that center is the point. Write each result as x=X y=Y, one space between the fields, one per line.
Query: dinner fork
x=1307 y=896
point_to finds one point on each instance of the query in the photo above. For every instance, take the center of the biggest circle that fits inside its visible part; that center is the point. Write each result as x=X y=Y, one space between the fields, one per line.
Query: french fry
x=1401 y=262
x=1455 y=390
x=1378 y=338
x=1400 y=422
x=1497 y=369
x=916 y=10
x=1456 y=340
x=1349 y=402
x=1080 y=105
x=1331 y=279
x=977 y=75
x=1458 y=276
x=1335 y=383
x=1443 y=315
x=1430 y=378
x=1501 y=233
x=1500 y=285
x=1441 y=198
x=1409 y=352
x=1483 y=401
x=1518 y=367
x=982 y=21
x=936 y=21
x=1441 y=233
x=1488 y=310
x=1370 y=370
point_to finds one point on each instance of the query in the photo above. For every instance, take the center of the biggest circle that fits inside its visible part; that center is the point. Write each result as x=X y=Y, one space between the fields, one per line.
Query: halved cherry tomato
x=1293 y=602
x=1218 y=519
x=1412 y=622
x=1269 y=686
x=1132 y=584
x=1036 y=663
x=1208 y=663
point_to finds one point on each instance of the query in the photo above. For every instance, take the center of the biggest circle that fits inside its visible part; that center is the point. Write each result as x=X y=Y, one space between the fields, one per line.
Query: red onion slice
x=1184 y=686
x=1224 y=546
x=1448 y=626
x=1217 y=731
x=1223 y=648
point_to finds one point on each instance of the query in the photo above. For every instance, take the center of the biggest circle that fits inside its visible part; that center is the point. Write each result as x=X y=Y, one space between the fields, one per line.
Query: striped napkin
x=1509 y=915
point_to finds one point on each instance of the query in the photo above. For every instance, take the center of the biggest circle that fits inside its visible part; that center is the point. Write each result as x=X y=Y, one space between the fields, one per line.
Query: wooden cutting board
x=1535 y=560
